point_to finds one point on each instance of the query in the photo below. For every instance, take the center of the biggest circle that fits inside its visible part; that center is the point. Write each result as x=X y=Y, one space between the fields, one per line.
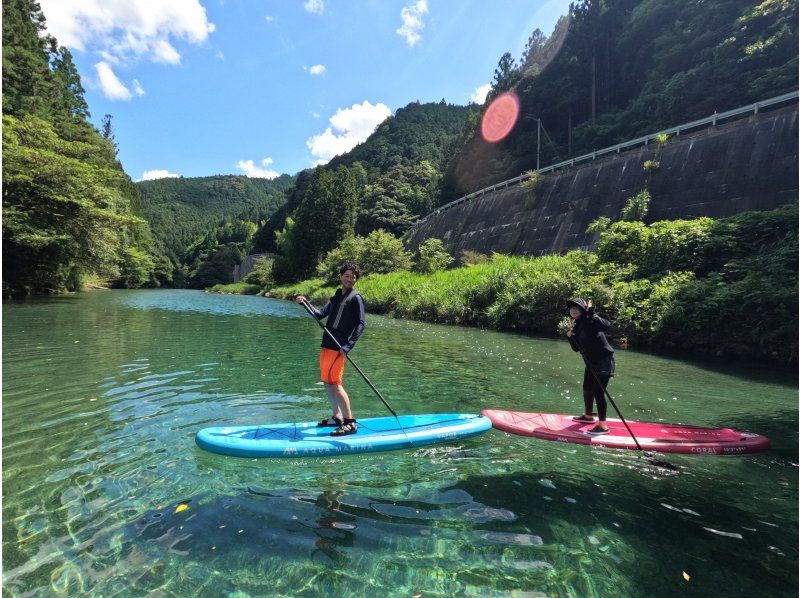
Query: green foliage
x=669 y=245
x=261 y=274
x=432 y=256
x=506 y=76
x=377 y=253
x=651 y=166
x=395 y=200
x=215 y=266
x=531 y=186
x=382 y=253
x=600 y=225
x=662 y=139
x=635 y=209
x=136 y=268
x=316 y=290
x=416 y=133
x=665 y=299
x=397 y=175
x=325 y=216
x=349 y=249
x=66 y=209
x=474 y=258
x=236 y=288
x=182 y=210
x=69 y=210
x=627 y=68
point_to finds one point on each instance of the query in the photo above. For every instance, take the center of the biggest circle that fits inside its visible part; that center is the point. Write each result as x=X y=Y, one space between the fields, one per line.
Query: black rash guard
x=346 y=314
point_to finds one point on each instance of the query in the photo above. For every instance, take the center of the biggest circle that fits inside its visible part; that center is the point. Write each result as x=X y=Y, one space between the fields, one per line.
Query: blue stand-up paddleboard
x=307 y=440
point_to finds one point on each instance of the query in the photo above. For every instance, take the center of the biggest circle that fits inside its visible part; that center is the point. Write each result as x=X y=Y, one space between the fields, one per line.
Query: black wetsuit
x=345 y=312
x=589 y=331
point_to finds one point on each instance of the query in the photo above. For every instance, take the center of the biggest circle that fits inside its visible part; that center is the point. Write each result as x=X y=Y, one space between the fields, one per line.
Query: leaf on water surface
x=182 y=507
x=686 y=576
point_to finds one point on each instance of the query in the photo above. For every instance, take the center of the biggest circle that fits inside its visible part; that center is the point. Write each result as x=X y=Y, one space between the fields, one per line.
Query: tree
x=377 y=253
x=506 y=75
x=432 y=256
x=107 y=131
x=27 y=81
x=70 y=91
x=326 y=216
x=387 y=213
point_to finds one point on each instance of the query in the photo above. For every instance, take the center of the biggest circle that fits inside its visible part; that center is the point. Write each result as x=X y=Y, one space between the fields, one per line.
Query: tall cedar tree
x=326 y=215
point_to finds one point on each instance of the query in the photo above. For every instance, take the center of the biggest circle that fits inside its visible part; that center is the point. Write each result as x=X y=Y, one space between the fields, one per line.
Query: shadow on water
x=441 y=542
x=780 y=427
x=653 y=527
x=780 y=373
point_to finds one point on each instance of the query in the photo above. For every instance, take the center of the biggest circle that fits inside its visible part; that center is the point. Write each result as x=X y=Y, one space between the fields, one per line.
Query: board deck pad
x=652 y=436
x=307 y=440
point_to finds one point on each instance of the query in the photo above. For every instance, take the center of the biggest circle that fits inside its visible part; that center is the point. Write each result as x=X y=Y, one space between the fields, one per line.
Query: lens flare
x=500 y=117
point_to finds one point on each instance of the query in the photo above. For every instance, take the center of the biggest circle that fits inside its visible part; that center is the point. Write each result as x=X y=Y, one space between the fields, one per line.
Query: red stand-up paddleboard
x=652 y=436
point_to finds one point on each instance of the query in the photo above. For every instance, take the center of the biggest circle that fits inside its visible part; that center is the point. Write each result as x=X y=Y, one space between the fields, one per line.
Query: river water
x=104 y=490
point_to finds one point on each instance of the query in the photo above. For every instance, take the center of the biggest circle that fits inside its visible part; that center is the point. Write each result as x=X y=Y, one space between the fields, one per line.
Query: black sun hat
x=578 y=302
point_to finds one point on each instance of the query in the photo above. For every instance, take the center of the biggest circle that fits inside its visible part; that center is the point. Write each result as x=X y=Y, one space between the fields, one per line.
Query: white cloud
x=220 y=55
x=314 y=6
x=127 y=30
x=150 y=175
x=412 y=27
x=269 y=18
x=479 y=95
x=253 y=171
x=353 y=125
x=110 y=85
x=317 y=69
x=137 y=88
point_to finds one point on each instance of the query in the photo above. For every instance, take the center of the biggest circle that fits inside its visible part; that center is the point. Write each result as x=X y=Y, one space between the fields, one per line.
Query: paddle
x=363 y=375
x=647 y=454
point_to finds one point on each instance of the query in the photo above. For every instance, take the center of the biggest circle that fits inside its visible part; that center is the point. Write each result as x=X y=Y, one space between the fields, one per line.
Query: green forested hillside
x=205 y=225
x=391 y=179
x=631 y=67
x=417 y=133
x=181 y=210
x=69 y=209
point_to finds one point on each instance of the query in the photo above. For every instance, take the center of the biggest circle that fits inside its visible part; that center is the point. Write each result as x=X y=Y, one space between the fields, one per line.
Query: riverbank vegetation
x=725 y=287
x=70 y=213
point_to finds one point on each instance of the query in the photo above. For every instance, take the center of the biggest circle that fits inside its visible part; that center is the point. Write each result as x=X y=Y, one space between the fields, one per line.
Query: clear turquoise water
x=104 y=490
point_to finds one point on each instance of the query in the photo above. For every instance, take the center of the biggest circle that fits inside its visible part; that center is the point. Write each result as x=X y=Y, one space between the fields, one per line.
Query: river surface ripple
x=104 y=490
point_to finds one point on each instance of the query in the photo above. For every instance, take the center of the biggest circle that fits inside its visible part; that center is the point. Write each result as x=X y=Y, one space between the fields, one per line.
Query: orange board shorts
x=331 y=366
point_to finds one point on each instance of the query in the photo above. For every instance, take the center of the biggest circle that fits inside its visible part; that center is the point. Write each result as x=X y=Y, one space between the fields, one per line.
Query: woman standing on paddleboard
x=345 y=312
x=588 y=337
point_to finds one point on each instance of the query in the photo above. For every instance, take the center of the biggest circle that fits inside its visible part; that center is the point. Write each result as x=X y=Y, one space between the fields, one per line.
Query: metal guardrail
x=615 y=149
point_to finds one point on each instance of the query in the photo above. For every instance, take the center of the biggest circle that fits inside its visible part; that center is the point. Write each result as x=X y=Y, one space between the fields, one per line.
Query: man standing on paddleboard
x=588 y=337
x=345 y=312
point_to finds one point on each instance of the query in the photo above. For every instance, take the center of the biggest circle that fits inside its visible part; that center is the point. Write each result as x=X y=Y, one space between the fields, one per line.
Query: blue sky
x=203 y=87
